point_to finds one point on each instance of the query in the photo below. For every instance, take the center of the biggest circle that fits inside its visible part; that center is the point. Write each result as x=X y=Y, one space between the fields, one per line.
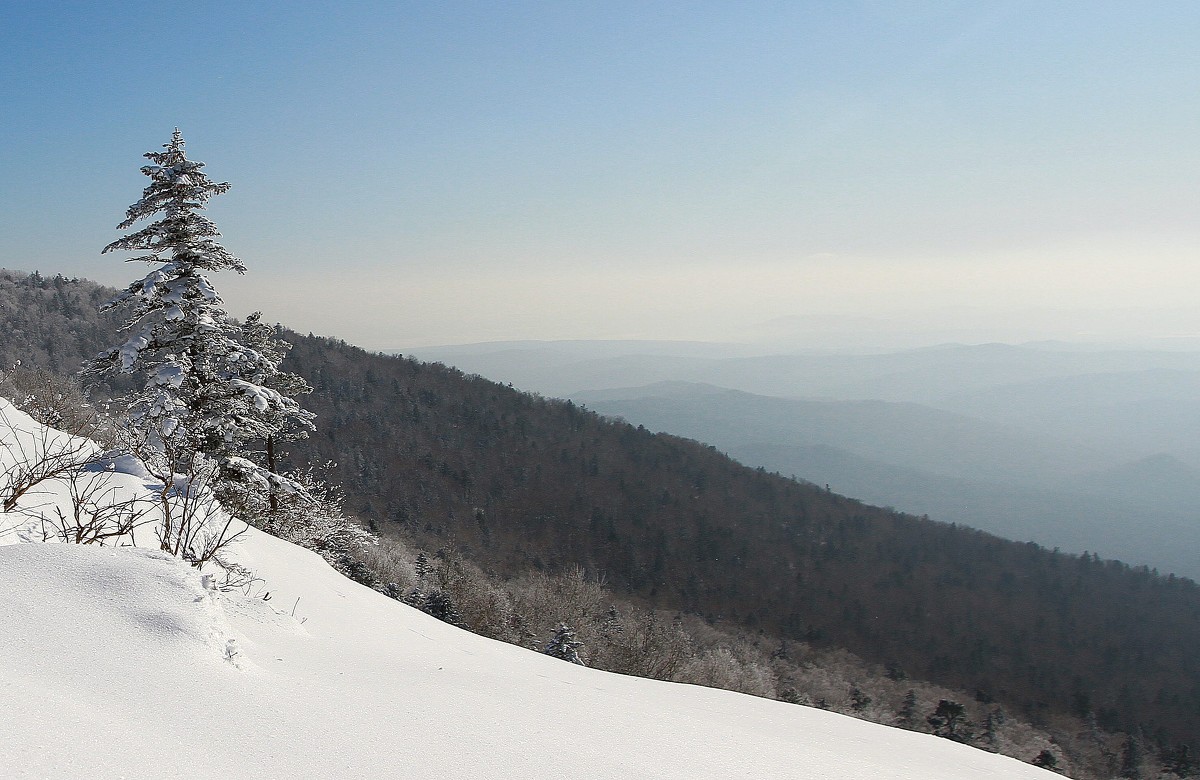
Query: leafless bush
x=644 y=644
x=391 y=563
x=97 y=514
x=234 y=576
x=55 y=401
x=567 y=597
x=39 y=454
x=481 y=603
x=192 y=525
x=718 y=667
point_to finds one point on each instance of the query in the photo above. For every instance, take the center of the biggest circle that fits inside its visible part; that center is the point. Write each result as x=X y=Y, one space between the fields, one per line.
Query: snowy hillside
x=128 y=663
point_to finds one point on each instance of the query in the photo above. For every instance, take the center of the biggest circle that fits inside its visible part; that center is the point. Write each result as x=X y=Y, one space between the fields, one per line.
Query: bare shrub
x=194 y=526
x=391 y=564
x=718 y=667
x=39 y=454
x=97 y=514
x=482 y=604
x=56 y=401
x=545 y=600
x=643 y=644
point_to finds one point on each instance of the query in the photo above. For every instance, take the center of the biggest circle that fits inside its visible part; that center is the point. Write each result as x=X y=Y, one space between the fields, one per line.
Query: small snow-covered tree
x=263 y=351
x=267 y=349
x=314 y=517
x=212 y=387
x=564 y=645
x=859 y=701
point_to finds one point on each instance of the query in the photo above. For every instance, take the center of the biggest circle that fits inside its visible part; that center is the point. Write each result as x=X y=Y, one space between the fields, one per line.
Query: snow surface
x=126 y=663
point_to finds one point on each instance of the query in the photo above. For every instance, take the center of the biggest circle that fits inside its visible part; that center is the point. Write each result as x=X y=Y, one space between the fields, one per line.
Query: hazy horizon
x=405 y=176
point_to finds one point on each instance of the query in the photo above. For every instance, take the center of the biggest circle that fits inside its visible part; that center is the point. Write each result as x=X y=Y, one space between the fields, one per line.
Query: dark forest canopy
x=516 y=481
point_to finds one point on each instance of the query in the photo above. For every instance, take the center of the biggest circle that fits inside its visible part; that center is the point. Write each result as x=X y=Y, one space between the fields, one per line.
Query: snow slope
x=126 y=663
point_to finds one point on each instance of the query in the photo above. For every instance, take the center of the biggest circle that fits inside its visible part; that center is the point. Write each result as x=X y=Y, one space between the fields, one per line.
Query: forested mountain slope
x=52 y=322
x=995 y=476
x=515 y=480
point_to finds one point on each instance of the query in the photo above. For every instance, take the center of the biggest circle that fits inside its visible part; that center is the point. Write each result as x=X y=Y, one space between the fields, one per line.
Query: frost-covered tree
x=202 y=382
x=1131 y=758
x=282 y=422
x=285 y=422
x=1178 y=761
x=313 y=517
x=212 y=387
x=564 y=645
x=859 y=700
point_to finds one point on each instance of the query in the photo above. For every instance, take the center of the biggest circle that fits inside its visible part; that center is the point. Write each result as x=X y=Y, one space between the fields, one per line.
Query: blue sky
x=409 y=173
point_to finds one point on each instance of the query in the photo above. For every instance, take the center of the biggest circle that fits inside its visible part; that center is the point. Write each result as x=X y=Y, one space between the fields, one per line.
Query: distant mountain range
x=1080 y=448
x=934 y=376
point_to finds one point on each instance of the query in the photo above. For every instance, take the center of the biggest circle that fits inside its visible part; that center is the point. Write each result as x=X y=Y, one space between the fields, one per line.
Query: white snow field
x=126 y=663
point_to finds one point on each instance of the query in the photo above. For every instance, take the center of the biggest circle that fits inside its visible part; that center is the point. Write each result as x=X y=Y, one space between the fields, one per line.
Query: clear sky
x=408 y=173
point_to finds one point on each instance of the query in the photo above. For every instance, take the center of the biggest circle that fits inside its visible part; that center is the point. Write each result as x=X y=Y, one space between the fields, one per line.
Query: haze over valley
x=1081 y=447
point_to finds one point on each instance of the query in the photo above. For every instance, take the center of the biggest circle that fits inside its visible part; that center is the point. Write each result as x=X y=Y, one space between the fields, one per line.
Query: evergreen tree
x=435 y=603
x=1046 y=760
x=949 y=720
x=995 y=719
x=263 y=351
x=564 y=645
x=266 y=350
x=1131 y=759
x=207 y=394
x=1178 y=761
x=906 y=716
x=439 y=605
x=612 y=623
x=422 y=566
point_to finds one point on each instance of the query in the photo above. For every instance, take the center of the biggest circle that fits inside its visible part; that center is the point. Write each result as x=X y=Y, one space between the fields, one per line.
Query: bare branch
x=39 y=454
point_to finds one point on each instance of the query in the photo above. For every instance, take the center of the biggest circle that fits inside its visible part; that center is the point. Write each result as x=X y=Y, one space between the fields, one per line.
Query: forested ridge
x=515 y=481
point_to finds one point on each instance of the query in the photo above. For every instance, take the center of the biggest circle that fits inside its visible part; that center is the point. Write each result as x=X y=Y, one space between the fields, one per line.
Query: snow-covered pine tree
x=207 y=394
x=564 y=645
x=263 y=351
x=263 y=340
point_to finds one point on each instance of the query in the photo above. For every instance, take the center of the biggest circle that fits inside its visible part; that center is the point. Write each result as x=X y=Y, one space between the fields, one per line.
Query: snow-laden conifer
x=204 y=381
x=263 y=351
x=564 y=645
x=212 y=386
x=263 y=342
